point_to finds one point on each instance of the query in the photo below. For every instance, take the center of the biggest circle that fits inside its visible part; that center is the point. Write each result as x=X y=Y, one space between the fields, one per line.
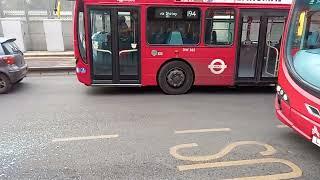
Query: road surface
x=53 y=127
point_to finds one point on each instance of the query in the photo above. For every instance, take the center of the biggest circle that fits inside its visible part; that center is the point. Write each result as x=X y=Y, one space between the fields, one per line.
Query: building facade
x=34 y=18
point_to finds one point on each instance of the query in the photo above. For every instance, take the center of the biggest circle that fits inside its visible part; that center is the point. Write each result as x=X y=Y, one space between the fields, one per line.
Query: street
x=53 y=127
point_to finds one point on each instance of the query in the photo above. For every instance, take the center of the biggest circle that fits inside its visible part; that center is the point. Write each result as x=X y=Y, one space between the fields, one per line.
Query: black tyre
x=5 y=84
x=175 y=78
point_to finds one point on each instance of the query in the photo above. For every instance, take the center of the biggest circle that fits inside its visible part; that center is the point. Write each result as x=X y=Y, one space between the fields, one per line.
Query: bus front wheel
x=175 y=78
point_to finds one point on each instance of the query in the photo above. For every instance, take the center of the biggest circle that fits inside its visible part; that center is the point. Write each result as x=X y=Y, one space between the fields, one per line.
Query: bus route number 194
x=191 y=14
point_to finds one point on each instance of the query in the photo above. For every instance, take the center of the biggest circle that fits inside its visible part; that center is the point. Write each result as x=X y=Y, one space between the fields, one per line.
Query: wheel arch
x=5 y=74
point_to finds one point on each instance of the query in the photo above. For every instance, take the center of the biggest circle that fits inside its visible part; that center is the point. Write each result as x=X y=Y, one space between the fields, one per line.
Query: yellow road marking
x=202 y=130
x=174 y=151
x=85 y=138
x=296 y=171
x=282 y=126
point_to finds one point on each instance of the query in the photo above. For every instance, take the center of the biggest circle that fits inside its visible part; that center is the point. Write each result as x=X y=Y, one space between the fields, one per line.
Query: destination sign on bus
x=176 y=13
x=241 y=1
x=169 y=13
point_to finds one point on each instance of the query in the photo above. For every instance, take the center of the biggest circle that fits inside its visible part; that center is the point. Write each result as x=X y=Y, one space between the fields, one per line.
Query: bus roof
x=257 y=2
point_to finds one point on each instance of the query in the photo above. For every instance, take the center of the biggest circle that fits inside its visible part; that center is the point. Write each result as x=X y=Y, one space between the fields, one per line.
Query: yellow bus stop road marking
x=85 y=138
x=202 y=130
x=174 y=151
x=296 y=171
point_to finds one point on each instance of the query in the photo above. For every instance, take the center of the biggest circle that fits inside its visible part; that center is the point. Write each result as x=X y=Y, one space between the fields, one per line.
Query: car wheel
x=175 y=78
x=5 y=84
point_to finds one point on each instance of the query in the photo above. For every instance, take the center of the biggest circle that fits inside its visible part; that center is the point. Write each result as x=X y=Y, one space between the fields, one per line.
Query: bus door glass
x=249 y=46
x=128 y=44
x=261 y=34
x=115 y=49
x=272 y=47
x=101 y=43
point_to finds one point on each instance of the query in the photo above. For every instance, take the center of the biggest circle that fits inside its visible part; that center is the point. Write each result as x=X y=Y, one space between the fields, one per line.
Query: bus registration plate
x=316 y=141
x=316 y=135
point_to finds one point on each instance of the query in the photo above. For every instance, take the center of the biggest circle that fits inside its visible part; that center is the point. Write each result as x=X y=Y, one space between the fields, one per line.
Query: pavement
x=50 y=61
x=53 y=127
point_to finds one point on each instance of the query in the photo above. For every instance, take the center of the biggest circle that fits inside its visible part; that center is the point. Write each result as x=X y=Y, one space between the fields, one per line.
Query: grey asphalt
x=42 y=109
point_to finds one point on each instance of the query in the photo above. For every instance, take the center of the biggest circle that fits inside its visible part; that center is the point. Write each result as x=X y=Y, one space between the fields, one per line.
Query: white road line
x=282 y=126
x=85 y=138
x=202 y=130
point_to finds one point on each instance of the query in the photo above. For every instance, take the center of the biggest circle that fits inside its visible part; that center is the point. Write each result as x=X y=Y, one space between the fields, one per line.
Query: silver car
x=12 y=64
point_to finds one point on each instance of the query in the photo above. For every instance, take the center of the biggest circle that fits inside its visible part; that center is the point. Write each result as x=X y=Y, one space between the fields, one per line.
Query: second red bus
x=298 y=98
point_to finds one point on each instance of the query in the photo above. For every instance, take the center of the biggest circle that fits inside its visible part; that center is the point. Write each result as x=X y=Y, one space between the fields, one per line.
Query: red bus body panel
x=295 y=114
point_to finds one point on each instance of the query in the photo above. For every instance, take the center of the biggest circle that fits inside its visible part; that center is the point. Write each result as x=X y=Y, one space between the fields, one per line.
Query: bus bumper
x=295 y=120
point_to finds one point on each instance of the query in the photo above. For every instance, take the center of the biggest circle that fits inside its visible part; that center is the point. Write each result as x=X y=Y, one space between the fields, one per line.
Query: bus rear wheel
x=175 y=78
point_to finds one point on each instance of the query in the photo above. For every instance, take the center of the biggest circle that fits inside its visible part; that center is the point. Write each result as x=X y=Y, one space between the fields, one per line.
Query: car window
x=10 y=48
x=1 y=51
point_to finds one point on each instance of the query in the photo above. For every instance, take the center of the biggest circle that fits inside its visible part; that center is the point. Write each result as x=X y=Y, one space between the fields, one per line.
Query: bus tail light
x=10 y=60
x=281 y=93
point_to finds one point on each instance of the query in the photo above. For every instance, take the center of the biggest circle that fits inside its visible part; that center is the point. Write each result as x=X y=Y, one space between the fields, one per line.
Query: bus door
x=260 y=39
x=115 y=45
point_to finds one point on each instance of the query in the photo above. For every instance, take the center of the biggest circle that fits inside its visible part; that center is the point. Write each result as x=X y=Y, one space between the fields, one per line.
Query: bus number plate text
x=316 y=135
x=189 y=49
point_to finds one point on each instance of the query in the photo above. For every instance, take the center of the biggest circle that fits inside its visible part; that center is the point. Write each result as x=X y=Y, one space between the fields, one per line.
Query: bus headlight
x=282 y=94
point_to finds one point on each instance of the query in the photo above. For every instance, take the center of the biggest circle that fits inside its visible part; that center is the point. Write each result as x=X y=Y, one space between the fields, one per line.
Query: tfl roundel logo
x=217 y=66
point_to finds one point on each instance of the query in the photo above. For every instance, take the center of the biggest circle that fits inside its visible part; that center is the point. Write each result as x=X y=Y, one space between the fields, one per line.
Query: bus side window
x=173 y=26
x=219 y=27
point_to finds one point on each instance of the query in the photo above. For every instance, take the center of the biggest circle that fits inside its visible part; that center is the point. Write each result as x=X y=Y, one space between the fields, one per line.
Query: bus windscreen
x=303 y=46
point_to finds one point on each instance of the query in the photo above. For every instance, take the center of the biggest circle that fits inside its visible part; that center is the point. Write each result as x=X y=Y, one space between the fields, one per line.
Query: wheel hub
x=176 y=78
x=2 y=84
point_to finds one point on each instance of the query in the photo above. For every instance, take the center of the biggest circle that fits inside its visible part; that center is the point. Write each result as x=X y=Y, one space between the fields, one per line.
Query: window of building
x=174 y=26
x=219 y=27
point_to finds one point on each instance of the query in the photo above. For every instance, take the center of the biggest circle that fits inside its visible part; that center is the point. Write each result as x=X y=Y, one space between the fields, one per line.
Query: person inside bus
x=158 y=36
x=166 y=35
x=124 y=33
x=188 y=39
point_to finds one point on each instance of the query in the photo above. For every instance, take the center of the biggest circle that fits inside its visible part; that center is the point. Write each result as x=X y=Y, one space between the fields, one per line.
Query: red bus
x=298 y=97
x=178 y=43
